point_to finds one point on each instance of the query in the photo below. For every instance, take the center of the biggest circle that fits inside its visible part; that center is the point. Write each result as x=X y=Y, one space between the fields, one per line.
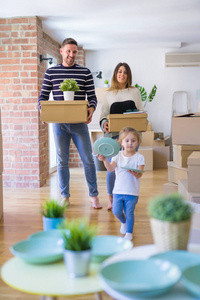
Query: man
x=63 y=132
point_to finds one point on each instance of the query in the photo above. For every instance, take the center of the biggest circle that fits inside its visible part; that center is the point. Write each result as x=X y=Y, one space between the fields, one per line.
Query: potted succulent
x=53 y=214
x=106 y=83
x=77 y=235
x=68 y=87
x=170 y=221
x=143 y=93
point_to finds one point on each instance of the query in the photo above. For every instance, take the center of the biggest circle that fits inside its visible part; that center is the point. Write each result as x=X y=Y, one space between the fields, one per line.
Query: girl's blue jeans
x=62 y=136
x=123 y=208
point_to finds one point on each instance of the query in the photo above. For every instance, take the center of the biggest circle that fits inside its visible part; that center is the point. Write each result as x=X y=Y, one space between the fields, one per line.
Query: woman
x=120 y=97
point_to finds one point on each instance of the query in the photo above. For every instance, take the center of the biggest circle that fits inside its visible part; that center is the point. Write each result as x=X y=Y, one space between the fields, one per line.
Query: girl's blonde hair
x=126 y=130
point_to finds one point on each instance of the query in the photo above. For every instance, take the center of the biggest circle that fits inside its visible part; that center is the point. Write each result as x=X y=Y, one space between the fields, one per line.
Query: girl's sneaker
x=123 y=228
x=128 y=236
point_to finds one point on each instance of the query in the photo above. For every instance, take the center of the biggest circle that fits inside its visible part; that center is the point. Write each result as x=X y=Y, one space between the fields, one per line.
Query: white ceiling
x=110 y=24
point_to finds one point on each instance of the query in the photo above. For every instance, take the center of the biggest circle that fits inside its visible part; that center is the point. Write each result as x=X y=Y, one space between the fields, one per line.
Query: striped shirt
x=54 y=77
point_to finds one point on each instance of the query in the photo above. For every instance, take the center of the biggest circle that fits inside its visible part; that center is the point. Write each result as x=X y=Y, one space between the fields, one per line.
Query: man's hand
x=90 y=114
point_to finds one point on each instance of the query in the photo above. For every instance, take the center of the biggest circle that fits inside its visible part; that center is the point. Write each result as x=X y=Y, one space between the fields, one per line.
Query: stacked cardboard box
x=186 y=142
x=157 y=142
x=1 y=171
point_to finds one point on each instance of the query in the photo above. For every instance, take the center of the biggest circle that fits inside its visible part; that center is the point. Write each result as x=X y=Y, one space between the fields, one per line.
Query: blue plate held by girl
x=106 y=146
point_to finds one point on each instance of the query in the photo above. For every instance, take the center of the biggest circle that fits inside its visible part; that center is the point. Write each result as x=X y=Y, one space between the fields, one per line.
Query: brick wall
x=25 y=138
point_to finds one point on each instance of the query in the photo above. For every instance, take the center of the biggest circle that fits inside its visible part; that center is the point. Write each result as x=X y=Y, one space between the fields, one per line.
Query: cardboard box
x=148 y=156
x=149 y=126
x=147 y=138
x=182 y=152
x=161 y=142
x=194 y=172
x=1 y=197
x=161 y=155
x=169 y=188
x=64 y=111
x=136 y=120
x=1 y=154
x=95 y=135
x=176 y=173
x=185 y=130
x=183 y=190
x=196 y=220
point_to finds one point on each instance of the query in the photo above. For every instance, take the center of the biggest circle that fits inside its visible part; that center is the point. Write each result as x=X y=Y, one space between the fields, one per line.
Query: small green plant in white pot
x=106 y=83
x=68 y=87
x=77 y=235
x=170 y=221
x=53 y=214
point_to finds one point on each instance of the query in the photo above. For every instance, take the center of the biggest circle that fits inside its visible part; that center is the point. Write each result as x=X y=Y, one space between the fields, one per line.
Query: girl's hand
x=100 y=157
x=135 y=174
x=105 y=127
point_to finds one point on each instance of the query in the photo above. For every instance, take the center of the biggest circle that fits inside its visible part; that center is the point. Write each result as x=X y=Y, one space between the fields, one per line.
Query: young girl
x=127 y=182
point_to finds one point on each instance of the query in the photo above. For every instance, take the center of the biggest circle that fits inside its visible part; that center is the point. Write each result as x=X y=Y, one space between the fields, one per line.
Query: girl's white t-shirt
x=126 y=183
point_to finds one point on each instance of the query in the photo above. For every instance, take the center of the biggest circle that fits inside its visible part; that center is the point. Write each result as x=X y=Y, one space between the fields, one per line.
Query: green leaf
x=52 y=209
x=77 y=234
x=69 y=85
x=152 y=93
x=171 y=208
x=142 y=92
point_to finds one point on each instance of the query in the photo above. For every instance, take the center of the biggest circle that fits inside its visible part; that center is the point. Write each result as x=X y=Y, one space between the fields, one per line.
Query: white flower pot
x=68 y=95
x=77 y=262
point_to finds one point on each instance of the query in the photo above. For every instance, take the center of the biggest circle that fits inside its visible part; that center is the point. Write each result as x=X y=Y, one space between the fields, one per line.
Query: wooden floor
x=22 y=218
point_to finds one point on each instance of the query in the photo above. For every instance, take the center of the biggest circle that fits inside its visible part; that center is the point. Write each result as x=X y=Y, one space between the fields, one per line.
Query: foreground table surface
x=48 y=279
x=178 y=292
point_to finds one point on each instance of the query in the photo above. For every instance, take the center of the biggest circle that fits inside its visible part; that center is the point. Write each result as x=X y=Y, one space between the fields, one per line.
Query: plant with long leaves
x=143 y=93
x=52 y=209
x=77 y=234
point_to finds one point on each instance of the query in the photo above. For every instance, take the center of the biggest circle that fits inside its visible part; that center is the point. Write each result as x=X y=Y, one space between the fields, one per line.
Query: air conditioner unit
x=182 y=60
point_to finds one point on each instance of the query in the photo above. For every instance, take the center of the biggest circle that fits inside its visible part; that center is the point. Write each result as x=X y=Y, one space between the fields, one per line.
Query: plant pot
x=51 y=223
x=170 y=235
x=77 y=262
x=68 y=95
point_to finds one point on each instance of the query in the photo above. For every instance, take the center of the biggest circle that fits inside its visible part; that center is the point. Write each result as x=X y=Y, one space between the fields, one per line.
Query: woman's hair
x=125 y=131
x=114 y=82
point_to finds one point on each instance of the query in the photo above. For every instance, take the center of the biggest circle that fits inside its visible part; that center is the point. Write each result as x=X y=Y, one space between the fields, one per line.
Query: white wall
x=148 y=68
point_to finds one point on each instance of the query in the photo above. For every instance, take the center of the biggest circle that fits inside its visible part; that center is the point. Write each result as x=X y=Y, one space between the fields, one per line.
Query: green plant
x=52 y=209
x=77 y=234
x=106 y=81
x=69 y=85
x=144 y=93
x=171 y=208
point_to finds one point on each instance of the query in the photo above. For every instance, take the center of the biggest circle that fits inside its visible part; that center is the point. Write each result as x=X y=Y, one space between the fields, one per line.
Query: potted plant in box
x=77 y=235
x=69 y=86
x=170 y=221
x=53 y=214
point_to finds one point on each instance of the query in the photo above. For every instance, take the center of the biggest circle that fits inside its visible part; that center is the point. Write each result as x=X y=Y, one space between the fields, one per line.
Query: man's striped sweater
x=55 y=75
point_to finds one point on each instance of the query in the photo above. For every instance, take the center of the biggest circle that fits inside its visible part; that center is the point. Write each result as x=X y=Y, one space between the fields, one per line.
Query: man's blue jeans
x=123 y=209
x=79 y=133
